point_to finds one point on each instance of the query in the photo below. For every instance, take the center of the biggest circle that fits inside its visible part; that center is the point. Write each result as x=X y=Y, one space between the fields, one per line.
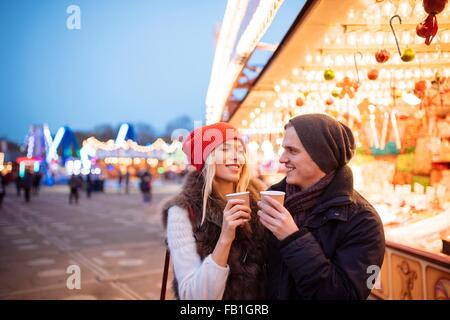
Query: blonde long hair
x=209 y=172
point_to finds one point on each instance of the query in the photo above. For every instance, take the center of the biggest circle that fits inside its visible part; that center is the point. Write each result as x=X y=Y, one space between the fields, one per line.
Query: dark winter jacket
x=329 y=257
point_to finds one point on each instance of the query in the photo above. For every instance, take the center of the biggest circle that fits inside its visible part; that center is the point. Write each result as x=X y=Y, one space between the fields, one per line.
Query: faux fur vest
x=247 y=258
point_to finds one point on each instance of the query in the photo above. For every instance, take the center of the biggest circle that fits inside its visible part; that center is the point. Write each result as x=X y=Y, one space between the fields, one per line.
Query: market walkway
x=116 y=240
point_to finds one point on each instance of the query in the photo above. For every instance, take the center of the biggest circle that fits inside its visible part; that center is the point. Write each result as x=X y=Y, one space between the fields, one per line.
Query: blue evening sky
x=132 y=61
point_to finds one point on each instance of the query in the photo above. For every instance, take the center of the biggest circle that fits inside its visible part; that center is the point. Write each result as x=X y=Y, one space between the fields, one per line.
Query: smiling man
x=326 y=237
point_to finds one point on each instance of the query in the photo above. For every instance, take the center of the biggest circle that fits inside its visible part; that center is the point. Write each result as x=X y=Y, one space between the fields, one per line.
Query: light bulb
x=446 y=72
x=417 y=73
x=446 y=36
x=387 y=8
x=379 y=38
x=277 y=104
x=404 y=8
x=351 y=38
x=406 y=37
x=318 y=76
x=366 y=38
x=351 y=14
x=339 y=61
x=418 y=10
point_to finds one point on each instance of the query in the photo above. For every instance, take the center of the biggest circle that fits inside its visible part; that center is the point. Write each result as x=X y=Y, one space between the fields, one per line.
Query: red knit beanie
x=203 y=140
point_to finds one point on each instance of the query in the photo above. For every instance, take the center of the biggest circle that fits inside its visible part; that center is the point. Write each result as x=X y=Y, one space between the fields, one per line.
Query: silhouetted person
x=2 y=189
x=27 y=182
x=146 y=186
x=127 y=182
x=89 y=185
x=37 y=176
x=120 y=178
x=74 y=184
x=18 y=181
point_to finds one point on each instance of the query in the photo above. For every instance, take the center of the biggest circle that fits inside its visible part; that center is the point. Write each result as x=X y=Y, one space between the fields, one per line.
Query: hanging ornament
x=434 y=6
x=419 y=88
x=429 y=27
x=335 y=93
x=328 y=74
x=409 y=54
x=382 y=56
x=372 y=74
x=420 y=85
x=299 y=102
x=349 y=88
x=438 y=77
x=329 y=102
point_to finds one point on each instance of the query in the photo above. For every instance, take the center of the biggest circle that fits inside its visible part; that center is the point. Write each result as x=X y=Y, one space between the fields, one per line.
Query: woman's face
x=230 y=158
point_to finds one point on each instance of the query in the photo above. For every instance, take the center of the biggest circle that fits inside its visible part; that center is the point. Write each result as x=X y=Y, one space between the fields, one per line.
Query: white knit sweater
x=197 y=279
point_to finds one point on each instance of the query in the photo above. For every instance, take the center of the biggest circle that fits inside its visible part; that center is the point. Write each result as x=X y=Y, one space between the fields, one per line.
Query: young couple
x=318 y=245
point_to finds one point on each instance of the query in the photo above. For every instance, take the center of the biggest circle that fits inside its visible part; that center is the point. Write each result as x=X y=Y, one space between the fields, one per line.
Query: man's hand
x=276 y=218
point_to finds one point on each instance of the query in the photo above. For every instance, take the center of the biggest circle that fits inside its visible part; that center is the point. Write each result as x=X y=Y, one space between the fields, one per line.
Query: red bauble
x=382 y=56
x=299 y=102
x=429 y=27
x=420 y=85
x=434 y=6
x=373 y=74
x=329 y=101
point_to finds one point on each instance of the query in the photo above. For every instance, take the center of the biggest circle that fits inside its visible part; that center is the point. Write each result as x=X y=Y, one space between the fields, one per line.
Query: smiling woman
x=213 y=256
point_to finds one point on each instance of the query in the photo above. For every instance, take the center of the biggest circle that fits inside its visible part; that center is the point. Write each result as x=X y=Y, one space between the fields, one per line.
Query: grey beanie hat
x=329 y=143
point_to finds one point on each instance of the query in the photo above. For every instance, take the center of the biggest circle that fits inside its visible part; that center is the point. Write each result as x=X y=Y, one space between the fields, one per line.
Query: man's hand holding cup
x=274 y=216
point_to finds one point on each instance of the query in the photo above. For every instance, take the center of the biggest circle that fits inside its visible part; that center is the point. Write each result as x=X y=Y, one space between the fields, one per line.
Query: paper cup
x=277 y=195
x=240 y=195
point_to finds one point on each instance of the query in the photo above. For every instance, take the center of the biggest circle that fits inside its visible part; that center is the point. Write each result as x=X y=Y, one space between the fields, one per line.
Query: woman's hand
x=235 y=214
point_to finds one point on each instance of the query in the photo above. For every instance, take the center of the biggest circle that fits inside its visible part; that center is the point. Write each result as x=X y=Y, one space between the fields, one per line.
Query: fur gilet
x=247 y=258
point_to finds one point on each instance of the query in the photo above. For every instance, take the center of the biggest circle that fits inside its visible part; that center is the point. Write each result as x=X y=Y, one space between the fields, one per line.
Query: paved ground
x=115 y=239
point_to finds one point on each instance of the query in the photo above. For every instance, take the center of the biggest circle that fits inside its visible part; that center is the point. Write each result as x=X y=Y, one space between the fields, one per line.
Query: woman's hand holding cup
x=236 y=213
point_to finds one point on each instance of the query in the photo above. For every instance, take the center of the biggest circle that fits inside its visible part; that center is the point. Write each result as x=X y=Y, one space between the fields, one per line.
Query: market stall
x=383 y=69
x=113 y=158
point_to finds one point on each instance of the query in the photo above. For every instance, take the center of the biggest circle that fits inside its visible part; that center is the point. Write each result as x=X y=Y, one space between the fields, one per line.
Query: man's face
x=302 y=171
